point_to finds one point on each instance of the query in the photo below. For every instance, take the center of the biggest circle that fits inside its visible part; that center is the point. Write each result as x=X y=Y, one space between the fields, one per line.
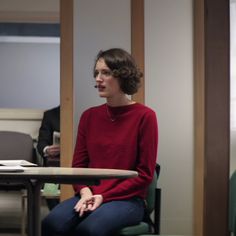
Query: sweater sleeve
x=146 y=161
x=80 y=157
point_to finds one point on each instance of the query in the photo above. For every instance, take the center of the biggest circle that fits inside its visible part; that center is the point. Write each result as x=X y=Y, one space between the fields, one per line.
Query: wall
x=169 y=87
x=30 y=74
x=96 y=28
x=26 y=120
x=29 y=6
x=21 y=120
x=169 y=90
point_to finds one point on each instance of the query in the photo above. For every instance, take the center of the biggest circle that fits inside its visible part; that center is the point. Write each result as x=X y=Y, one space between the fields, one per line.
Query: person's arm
x=45 y=135
x=88 y=201
x=80 y=157
x=45 y=144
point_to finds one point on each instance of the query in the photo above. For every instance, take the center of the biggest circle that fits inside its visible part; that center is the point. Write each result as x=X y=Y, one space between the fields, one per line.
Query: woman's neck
x=119 y=101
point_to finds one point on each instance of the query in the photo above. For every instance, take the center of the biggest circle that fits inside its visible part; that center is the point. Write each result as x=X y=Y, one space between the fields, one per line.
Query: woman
x=119 y=134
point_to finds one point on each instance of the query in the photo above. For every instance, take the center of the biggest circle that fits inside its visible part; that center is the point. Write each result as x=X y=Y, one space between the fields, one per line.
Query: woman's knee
x=61 y=219
x=51 y=226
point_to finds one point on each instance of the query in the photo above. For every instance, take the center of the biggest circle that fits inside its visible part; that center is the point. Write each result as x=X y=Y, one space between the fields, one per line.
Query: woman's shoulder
x=93 y=110
x=144 y=109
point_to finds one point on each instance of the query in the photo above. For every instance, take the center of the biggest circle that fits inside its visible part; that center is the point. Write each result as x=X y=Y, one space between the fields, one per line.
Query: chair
x=232 y=204
x=15 y=146
x=153 y=200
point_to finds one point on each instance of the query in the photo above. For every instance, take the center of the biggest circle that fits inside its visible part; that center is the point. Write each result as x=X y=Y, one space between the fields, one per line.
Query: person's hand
x=82 y=205
x=88 y=202
x=96 y=201
x=53 y=150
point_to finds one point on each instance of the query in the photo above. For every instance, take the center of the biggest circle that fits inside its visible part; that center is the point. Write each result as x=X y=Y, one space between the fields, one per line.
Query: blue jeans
x=106 y=220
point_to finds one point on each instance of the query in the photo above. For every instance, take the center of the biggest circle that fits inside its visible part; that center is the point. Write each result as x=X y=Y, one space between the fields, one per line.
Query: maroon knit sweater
x=128 y=142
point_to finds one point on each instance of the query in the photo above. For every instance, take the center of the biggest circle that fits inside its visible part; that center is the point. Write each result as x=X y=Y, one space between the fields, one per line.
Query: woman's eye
x=106 y=72
x=102 y=72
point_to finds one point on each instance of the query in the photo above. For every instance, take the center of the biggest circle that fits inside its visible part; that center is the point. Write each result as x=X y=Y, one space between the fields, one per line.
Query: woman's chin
x=102 y=95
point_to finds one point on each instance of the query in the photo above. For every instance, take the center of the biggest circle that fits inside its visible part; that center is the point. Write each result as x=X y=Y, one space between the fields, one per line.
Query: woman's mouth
x=100 y=87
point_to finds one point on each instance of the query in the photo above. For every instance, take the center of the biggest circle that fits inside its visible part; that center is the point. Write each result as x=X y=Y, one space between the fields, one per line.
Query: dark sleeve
x=45 y=134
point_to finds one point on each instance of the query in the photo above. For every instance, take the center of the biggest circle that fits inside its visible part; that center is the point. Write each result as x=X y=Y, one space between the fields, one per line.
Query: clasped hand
x=53 y=150
x=86 y=204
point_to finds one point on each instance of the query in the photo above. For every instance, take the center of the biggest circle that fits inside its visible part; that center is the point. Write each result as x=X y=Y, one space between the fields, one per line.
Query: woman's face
x=107 y=85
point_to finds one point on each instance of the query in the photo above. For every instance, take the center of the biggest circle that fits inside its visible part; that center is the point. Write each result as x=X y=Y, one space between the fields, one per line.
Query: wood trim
x=199 y=122
x=66 y=60
x=212 y=136
x=29 y=17
x=21 y=114
x=137 y=42
x=217 y=142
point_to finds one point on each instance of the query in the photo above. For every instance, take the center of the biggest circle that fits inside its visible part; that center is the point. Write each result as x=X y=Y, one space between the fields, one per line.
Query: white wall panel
x=98 y=25
x=169 y=90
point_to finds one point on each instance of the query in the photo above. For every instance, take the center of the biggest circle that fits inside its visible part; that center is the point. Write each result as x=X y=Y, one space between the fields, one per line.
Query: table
x=34 y=177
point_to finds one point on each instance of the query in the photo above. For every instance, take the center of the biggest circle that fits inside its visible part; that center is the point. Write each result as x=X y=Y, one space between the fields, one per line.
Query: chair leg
x=157 y=211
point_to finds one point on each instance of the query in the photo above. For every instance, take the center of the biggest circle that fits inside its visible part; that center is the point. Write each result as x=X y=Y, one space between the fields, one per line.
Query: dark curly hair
x=123 y=67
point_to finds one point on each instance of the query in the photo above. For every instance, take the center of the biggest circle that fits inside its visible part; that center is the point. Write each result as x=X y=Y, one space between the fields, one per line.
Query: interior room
x=169 y=65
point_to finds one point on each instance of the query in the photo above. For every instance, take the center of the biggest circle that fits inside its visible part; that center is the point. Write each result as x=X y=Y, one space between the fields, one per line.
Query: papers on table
x=14 y=165
x=12 y=168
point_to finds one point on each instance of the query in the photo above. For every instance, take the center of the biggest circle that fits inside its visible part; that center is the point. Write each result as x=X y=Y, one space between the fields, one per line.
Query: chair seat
x=141 y=228
x=148 y=225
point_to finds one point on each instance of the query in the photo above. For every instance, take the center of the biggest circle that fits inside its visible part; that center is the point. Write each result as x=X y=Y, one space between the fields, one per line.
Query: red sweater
x=128 y=142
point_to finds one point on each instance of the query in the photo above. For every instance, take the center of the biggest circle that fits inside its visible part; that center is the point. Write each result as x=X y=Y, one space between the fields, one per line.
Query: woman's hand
x=88 y=201
x=97 y=201
x=82 y=205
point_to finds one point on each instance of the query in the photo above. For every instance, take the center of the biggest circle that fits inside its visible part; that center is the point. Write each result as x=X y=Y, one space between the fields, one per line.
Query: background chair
x=153 y=200
x=16 y=146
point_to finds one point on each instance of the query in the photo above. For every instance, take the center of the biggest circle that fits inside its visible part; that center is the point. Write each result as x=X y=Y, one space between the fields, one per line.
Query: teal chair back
x=232 y=204
x=150 y=200
x=148 y=225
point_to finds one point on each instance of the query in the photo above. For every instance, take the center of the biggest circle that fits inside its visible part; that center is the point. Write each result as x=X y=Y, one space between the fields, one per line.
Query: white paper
x=56 y=138
x=16 y=163
x=12 y=169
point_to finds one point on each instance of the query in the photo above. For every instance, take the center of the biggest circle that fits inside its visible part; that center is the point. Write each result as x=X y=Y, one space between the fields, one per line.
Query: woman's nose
x=98 y=77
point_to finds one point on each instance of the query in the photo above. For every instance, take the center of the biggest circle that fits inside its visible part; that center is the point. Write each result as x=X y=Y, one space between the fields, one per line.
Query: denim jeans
x=106 y=220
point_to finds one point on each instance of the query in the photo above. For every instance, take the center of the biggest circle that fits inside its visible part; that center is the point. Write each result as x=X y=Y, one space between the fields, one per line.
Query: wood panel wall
x=212 y=137
x=67 y=109
x=137 y=43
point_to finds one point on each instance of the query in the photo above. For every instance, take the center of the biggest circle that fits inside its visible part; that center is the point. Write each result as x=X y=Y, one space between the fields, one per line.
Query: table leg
x=34 y=204
x=23 y=215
